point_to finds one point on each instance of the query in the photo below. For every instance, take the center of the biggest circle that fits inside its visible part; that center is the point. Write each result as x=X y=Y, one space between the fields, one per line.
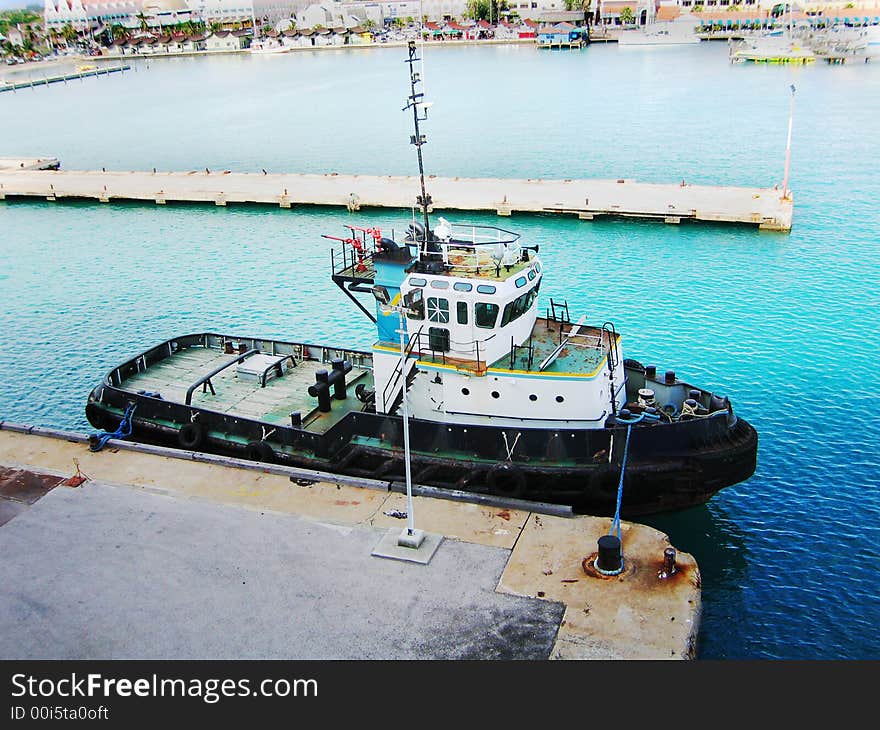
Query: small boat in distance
x=268 y=46
x=501 y=398
x=778 y=46
x=771 y=49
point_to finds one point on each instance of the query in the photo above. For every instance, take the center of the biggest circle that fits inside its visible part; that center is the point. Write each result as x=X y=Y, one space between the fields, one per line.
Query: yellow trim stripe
x=393 y=303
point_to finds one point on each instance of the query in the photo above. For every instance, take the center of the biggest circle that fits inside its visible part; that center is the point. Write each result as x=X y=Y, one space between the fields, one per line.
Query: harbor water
x=784 y=324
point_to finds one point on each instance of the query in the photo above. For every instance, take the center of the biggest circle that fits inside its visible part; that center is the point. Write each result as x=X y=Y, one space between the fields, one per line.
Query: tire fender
x=259 y=451
x=191 y=436
x=506 y=480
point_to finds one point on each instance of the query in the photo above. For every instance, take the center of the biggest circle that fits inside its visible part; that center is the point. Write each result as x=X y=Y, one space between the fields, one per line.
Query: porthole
x=559 y=399
x=465 y=391
x=496 y=394
x=533 y=397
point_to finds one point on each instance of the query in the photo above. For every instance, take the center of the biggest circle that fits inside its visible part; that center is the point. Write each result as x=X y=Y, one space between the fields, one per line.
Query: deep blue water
x=786 y=325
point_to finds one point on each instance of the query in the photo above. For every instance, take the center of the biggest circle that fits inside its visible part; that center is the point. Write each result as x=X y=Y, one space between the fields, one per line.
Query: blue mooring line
x=615 y=524
x=98 y=440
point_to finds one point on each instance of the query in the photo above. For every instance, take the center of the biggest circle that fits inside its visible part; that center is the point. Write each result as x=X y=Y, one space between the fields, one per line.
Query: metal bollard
x=610 y=558
x=668 y=562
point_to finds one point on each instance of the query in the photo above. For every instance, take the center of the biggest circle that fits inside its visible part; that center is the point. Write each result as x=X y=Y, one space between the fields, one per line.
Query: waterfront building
x=86 y=14
x=830 y=8
x=609 y=12
x=228 y=40
x=265 y=12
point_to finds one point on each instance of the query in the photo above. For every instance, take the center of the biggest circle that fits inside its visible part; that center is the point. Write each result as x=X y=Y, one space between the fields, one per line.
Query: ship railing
x=205 y=380
x=461 y=355
x=394 y=380
x=346 y=261
x=477 y=247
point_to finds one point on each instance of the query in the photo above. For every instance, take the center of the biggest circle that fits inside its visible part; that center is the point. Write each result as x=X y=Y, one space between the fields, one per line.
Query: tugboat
x=500 y=400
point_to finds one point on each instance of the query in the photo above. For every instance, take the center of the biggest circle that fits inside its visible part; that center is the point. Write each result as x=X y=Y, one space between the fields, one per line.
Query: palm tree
x=69 y=33
x=142 y=20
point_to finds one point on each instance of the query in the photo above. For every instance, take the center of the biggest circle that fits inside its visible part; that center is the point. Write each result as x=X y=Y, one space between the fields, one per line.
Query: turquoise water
x=786 y=325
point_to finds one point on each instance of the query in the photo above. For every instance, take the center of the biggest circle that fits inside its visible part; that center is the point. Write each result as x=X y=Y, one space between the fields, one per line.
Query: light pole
x=788 y=146
x=410 y=537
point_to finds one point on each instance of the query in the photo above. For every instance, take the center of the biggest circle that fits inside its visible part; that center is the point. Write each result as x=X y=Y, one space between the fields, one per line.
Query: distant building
x=84 y=14
x=857 y=8
x=265 y=12
x=228 y=40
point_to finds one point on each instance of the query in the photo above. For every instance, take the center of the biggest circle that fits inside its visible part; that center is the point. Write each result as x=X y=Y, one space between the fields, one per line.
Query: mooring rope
x=615 y=524
x=98 y=441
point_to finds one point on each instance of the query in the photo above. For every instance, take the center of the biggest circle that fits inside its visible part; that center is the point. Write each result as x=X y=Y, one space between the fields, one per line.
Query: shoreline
x=79 y=58
x=294 y=49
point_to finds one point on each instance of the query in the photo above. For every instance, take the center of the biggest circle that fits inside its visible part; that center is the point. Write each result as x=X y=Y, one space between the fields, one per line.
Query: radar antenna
x=414 y=102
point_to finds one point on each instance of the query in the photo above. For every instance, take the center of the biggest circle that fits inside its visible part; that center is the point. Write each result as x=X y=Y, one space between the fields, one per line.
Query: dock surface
x=173 y=558
x=587 y=199
x=28 y=163
x=8 y=85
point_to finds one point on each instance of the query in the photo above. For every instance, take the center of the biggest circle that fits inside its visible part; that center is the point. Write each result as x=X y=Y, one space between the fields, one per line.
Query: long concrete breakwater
x=767 y=208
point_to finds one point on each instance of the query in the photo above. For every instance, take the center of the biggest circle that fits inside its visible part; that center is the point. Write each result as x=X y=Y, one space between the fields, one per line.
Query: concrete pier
x=61 y=78
x=174 y=558
x=29 y=163
x=587 y=199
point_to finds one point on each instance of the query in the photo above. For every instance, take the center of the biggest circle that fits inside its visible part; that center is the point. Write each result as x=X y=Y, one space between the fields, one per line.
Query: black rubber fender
x=259 y=451
x=192 y=436
x=506 y=480
x=96 y=416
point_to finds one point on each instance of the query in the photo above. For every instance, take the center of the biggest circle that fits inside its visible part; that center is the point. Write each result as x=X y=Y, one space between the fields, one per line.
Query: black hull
x=669 y=466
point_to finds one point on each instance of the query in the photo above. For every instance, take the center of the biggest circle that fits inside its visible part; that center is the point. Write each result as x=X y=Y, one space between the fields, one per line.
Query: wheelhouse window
x=485 y=314
x=462 y=286
x=486 y=289
x=519 y=306
x=438 y=310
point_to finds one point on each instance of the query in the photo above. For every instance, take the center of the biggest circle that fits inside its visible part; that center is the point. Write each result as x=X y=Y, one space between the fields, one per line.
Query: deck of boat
x=584 y=353
x=243 y=396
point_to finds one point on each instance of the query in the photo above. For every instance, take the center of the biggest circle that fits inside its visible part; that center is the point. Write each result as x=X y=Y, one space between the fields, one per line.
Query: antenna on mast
x=414 y=101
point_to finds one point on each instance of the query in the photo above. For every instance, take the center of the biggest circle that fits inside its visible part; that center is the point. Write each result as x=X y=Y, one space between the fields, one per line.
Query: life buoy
x=506 y=480
x=191 y=436
x=259 y=451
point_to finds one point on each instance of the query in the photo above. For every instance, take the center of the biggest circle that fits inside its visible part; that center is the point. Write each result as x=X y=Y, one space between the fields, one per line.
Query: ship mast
x=414 y=100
